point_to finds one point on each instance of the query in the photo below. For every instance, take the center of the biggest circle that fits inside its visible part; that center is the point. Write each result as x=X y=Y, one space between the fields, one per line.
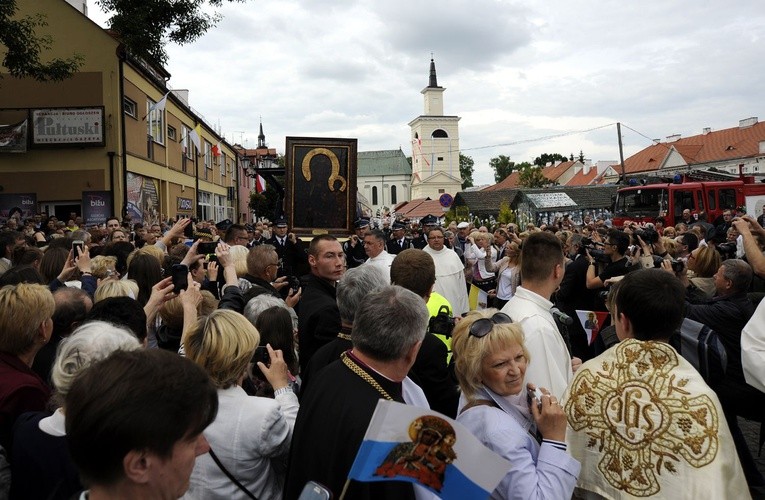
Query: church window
x=374 y=195
x=393 y=195
x=439 y=134
x=441 y=191
x=440 y=158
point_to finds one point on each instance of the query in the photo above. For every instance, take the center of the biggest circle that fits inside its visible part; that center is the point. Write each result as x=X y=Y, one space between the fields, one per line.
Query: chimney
x=183 y=95
x=747 y=122
x=706 y=130
x=673 y=137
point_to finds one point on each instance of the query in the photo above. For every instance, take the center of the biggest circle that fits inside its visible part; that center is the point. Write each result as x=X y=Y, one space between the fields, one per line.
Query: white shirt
x=383 y=261
x=550 y=364
x=251 y=436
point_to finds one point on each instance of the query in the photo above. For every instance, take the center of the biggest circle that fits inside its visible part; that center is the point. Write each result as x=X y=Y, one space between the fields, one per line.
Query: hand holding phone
x=180 y=274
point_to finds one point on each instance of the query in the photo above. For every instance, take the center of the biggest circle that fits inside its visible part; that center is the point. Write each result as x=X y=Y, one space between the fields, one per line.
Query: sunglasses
x=482 y=327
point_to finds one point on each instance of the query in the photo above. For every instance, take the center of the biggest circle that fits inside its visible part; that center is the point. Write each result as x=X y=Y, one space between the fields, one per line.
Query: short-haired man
x=374 y=246
x=262 y=268
x=336 y=409
x=450 y=272
x=414 y=270
x=236 y=234
x=355 y=254
x=318 y=318
x=686 y=243
x=291 y=250
x=355 y=284
x=428 y=222
x=615 y=248
x=398 y=241
x=542 y=270
x=134 y=424
x=112 y=223
x=640 y=410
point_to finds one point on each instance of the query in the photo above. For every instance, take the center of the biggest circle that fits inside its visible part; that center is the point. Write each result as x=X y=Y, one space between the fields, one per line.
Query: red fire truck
x=643 y=203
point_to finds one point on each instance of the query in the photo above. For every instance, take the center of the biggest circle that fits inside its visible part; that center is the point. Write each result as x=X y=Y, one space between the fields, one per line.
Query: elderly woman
x=26 y=325
x=250 y=435
x=491 y=361
x=508 y=274
x=40 y=449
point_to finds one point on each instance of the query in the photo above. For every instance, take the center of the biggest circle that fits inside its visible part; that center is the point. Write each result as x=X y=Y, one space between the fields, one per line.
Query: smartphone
x=188 y=231
x=207 y=248
x=261 y=354
x=534 y=396
x=315 y=491
x=180 y=273
x=294 y=284
x=77 y=244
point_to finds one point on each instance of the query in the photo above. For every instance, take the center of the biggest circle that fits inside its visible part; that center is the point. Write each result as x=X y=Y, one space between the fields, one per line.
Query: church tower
x=435 y=146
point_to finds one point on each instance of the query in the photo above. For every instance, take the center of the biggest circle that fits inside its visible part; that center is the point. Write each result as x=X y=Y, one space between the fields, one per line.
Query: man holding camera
x=355 y=255
x=615 y=250
x=573 y=294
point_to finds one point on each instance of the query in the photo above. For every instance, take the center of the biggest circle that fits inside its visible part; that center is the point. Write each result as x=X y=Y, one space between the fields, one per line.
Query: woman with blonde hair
x=530 y=432
x=250 y=435
x=703 y=262
x=26 y=324
x=116 y=288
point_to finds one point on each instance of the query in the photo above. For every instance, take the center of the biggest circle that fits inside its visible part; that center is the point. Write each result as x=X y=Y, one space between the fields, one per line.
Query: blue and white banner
x=406 y=443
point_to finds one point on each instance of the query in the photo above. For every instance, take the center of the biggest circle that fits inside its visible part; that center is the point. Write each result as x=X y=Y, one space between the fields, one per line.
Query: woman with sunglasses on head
x=503 y=413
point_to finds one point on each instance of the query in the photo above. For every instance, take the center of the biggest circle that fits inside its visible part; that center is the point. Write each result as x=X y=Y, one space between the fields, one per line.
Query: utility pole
x=623 y=179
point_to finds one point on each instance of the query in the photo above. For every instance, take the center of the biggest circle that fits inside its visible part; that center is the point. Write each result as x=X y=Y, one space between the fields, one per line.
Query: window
x=711 y=200
x=208 y=155
x=205 y=208
x=188 y=146
x=220 y=207
x=683 y=200
x=172 y=134
x=439 y=134
x=441 y=191
x=222 y=162
x=727 y=198
x=393 y=200
x=374 y=195
x=440 y=158
x=130 y=107
x=641 y=202
x=155 y=122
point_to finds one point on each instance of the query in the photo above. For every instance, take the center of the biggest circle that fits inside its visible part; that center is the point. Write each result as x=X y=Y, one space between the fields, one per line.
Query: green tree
x=531 y=176
x=546 y=158
x=264 y=204
x=25 y=48
x=502 y=166
x=146 y=26
x=466 y=170
x=506 y=214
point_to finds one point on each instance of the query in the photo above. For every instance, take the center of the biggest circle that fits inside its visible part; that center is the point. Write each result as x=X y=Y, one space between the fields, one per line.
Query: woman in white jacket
x=251 y=435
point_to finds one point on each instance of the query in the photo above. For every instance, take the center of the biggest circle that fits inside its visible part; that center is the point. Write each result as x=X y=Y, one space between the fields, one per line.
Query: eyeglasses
x=482 y=327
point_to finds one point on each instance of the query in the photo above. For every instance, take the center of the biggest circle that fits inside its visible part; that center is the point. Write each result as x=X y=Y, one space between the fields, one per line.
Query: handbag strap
x=230 y=476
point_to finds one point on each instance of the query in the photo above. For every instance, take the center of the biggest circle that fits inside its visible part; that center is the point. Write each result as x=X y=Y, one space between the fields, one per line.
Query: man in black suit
x=398 y=242
x=428 y=222
x=293 y=260
x=573 y=294
x=354 y=246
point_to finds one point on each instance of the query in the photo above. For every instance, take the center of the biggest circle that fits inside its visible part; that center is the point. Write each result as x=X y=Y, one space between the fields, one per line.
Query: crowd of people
x=220 y=360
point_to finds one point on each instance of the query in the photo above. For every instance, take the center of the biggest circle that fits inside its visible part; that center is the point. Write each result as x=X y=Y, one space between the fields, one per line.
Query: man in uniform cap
x=354 y=247
x=291 y=250
x=428 y=222
x=398 y=242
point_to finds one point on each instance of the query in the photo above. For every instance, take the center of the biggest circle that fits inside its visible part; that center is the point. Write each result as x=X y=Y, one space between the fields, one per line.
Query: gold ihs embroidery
x=642 y=418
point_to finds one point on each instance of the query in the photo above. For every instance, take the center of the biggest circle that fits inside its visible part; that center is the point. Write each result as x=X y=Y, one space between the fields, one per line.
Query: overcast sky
x=516 y=72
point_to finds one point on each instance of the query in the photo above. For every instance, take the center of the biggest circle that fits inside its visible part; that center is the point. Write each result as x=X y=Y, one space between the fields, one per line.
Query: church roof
x=384 y=162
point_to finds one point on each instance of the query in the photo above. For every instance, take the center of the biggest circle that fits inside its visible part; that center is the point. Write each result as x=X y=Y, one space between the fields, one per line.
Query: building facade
x=112 y=139
x=435 y=140
x=384 y=179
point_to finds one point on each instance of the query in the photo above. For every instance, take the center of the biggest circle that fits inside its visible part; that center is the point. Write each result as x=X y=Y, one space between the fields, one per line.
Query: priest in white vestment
x=450 y=272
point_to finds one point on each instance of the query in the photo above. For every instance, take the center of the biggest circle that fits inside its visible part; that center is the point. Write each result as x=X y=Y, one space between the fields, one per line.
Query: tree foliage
x=546 y=158
x=146 y=26
x=264 y=204
x=466 y=170
x=502 y=166
x=25 y=48
x=531 y=176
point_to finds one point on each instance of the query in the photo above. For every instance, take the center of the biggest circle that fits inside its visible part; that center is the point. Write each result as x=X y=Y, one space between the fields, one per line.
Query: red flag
x=260 y=184
x=216 y=150
x=591 y=321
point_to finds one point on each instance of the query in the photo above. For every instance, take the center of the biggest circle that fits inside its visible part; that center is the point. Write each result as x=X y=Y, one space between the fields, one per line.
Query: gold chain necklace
x=343 y=336
x=364 y=375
